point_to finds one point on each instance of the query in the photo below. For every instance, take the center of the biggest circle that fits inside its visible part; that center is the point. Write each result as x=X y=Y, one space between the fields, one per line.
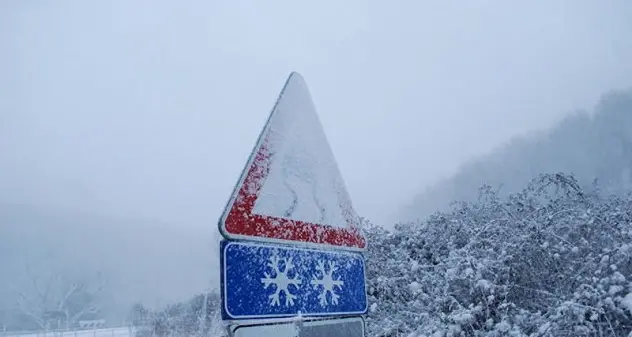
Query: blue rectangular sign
x=267 y=281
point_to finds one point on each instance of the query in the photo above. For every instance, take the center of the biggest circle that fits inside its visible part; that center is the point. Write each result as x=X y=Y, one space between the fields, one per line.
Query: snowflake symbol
x=327 y=282
x=281 y=281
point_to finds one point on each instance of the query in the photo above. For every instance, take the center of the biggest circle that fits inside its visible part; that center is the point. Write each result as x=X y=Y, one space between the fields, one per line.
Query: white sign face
x=291 y=188
x=304 y=182
x=340 y=327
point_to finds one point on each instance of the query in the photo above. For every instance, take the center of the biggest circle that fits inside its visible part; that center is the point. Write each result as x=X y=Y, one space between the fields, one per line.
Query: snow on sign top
x=291 y=190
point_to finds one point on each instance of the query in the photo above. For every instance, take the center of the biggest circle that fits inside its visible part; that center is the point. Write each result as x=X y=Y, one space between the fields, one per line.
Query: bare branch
x=70 y=300
x=23 y=305
x=62 y=303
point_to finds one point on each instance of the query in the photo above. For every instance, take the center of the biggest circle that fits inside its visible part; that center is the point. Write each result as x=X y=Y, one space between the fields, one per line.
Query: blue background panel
x=245 y=265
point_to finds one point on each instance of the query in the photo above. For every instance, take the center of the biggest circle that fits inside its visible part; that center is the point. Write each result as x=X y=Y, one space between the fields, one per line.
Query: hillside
x=134 y=261
x=590 y=145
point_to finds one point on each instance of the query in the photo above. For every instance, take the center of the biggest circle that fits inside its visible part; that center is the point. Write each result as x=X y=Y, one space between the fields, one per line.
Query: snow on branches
x=552 y=260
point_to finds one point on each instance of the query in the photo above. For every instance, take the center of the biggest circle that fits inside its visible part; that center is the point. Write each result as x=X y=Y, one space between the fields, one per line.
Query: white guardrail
x=104 y=332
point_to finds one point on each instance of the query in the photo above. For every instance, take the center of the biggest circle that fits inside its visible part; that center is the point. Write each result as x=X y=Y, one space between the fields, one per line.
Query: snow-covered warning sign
x=268 y=281
x=291 y=189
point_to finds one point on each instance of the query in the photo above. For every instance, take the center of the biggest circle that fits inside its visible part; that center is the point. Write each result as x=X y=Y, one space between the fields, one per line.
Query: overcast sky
x=150 y=108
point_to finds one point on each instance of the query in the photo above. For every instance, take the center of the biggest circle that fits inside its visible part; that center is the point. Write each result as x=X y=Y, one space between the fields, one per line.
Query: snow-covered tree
x=57 y=302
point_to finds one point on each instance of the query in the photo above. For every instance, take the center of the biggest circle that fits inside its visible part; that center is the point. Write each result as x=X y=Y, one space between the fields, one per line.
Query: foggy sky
x=149 y=109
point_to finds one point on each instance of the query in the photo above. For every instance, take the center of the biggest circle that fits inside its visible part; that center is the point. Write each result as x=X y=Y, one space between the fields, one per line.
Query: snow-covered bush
x=191 y=318
x=552 y=260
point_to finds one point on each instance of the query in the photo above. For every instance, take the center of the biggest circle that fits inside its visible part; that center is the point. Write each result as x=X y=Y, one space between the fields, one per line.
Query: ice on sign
x=284 y=281
x=291 y=188
x=303 y=181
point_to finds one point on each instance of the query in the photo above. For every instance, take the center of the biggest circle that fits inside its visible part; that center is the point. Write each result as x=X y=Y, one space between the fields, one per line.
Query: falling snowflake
x=281 y=281
x=327 y=282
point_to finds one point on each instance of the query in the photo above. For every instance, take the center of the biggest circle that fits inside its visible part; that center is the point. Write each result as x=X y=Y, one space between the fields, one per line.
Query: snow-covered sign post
x=293 y=243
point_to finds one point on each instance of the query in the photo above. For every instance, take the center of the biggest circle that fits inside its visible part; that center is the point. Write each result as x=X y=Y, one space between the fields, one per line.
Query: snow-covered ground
x=109 y=332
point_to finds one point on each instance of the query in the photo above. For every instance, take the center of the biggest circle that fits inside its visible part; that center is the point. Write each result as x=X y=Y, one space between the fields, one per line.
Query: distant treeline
x=592 y=146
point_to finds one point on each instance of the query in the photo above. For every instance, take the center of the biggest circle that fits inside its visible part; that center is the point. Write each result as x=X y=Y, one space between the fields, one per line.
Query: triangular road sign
x=291 y=190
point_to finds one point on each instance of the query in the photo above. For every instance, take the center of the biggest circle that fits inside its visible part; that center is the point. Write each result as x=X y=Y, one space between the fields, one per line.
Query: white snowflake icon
x=281 y=281
x=327 y=282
